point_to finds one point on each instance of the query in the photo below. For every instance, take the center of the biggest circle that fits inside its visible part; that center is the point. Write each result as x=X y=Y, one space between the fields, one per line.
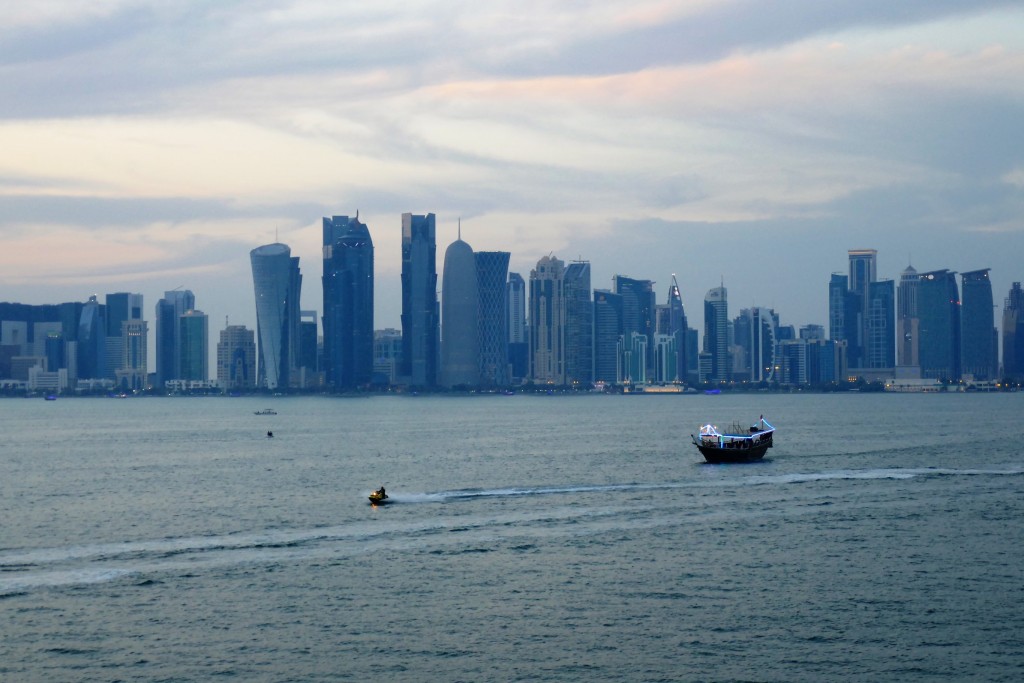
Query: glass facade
x=938 y=309
x=277 y=285
x=978 y=337
x=492 y=274
x=607 y=331
x=547 y=322
x=579 y=326
x=420 y=309
x=460 y=323
x=716 y=334
x=348 y=302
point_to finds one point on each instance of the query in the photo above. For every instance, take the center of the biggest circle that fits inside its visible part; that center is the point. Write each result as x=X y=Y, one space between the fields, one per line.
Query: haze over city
x=151 y=146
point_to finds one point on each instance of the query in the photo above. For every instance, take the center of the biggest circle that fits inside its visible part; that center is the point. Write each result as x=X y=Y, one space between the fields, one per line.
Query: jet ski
x=379 y=497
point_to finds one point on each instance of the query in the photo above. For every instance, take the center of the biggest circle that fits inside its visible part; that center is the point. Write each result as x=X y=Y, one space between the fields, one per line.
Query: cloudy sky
x=150 y=145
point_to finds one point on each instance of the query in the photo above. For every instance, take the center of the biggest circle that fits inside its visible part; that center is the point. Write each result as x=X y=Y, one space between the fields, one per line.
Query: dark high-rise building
x=979 y=340
x=862 y=313
x=1013 y=333
x=120 y=308
x=277 y=284
x=676 y=327
x=607 y=331
x=491 y=285
x=579 y=325
x=638 y=311
x=308 y=359
x=844 y=315
x=420 y=309
x=195 y=342
x=906 y=319
x=49 y=330
x=518 y=341
x=460 y=323
x=938 y=309
x=92 y=341
x=755 y=332
x=862 y=270
x=716 y=335
x=168 y=333
x=879 y=335
x=348 y=302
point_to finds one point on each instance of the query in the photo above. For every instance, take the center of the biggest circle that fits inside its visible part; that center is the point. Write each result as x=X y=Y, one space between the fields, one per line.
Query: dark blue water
x=531 y=539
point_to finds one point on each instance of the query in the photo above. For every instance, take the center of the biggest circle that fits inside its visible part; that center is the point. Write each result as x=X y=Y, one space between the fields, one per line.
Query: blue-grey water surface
x=532 y=538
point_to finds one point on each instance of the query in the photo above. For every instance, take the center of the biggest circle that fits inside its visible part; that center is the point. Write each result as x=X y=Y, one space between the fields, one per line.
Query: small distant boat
x=735 y=445
x=379 y=497
x=51 y=397
x=265 y=411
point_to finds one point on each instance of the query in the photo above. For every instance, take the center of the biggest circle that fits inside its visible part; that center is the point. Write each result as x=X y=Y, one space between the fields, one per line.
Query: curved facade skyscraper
x=277 y=283
x=460 y=326
x=348 y=302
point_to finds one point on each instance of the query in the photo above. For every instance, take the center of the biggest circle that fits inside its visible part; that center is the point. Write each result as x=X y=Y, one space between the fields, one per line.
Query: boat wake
x=26 y=570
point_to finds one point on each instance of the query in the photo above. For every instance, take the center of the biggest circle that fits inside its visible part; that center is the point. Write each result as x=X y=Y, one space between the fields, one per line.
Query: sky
x=147 y=146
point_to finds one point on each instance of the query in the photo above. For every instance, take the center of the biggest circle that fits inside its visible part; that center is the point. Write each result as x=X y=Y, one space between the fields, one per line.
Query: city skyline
x=865 y=314
x=147 y=146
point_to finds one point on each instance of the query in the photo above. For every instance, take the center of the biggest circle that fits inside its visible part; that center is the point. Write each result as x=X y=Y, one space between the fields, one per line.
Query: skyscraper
x=638 y=306
x=518 y=342
x=460 y=322
x=844 y=316
x=906 y=319
x=862 y=313
x=122 y=308
x=879 y=335
x=547 y=322
x=979 y=341
x=277 y=284
x=236 y=358
x=168 y=333
x=1013 y=333
x=579 y=325
x=348 y=302
x=607 y=331
x=755 y=333
x=938 y=308
x=676 y=326
x=716 y=334
x=92 y=345
x=862 y=270
x=492 y=273
x=132 y=373
x=420 y=310
x=195 y=342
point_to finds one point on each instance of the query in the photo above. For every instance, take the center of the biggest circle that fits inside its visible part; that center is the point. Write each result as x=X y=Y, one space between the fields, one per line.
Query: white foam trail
x=52 y=579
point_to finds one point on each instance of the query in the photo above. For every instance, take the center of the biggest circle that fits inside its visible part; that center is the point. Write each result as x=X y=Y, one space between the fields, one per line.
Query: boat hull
x=376 y=499
x=715 y=454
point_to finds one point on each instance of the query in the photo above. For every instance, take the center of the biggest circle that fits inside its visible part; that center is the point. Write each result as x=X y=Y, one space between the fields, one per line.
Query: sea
x=529 y=538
